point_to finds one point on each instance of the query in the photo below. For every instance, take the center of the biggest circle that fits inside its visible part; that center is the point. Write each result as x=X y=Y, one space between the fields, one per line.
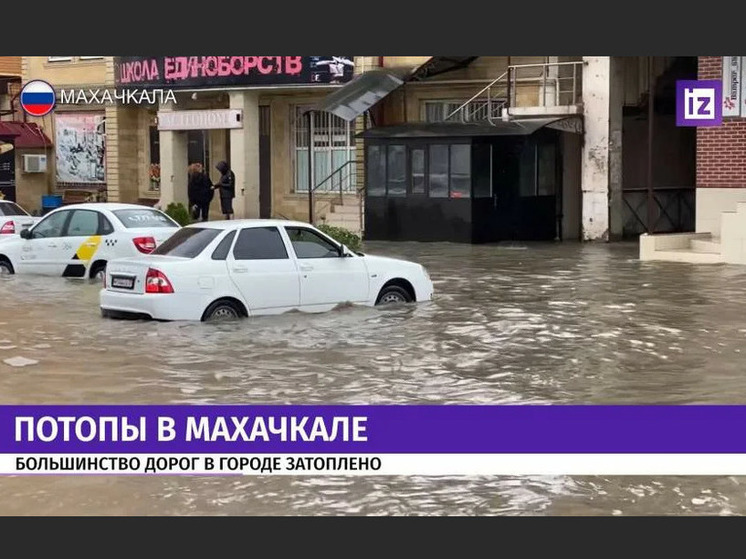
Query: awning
x=360 y=94
x=517 y=127
x=7 y=132
x=25 y=134
x=440 y=65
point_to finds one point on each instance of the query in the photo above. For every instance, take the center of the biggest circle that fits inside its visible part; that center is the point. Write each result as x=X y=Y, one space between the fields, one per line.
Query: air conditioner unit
x=34 y=163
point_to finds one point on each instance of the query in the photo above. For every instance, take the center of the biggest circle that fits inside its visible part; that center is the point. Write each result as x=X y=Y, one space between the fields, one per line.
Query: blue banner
x=409 y=429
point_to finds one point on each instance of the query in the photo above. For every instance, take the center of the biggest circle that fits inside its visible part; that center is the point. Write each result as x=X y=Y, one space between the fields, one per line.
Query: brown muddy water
x=516 y=323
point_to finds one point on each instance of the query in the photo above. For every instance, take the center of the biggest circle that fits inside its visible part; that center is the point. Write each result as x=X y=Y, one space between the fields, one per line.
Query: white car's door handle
x=90 y=244
x=53 y=245
x=240 y=269
x=306 y=267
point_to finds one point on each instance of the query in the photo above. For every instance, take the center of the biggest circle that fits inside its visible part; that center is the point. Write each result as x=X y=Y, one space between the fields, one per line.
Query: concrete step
x=688 y=255
x=706 y=246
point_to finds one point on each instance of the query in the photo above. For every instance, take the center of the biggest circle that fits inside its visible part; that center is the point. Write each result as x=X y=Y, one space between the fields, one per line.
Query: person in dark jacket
x=200 y=192
x=193 y=185
x=227 y=186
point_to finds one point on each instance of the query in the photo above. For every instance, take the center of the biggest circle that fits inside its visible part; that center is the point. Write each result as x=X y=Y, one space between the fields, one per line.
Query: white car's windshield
x=188 y=242
x=145 y=217
x=12 y=209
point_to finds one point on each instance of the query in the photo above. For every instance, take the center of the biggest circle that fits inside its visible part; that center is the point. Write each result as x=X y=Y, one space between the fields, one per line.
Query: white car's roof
x=111 y=206
x=231 y=223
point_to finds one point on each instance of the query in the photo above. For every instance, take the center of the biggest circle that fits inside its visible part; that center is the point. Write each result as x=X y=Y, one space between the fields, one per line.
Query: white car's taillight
x=8 y=228
x=157 y=282
x=146 y=245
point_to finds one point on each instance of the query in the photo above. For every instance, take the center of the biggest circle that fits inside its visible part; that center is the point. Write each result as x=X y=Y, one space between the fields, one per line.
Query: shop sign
x=200 y=120
x=195 y=72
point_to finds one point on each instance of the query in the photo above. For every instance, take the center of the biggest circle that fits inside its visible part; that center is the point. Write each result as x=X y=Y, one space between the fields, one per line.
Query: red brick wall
x=721 y=150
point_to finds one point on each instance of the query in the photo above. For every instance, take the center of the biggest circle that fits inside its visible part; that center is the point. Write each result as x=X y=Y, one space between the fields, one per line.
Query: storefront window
x=155 y=160
x=376 y=164
x=460 y=171
x=396 y=171
x=438 y=175
x=333 y=152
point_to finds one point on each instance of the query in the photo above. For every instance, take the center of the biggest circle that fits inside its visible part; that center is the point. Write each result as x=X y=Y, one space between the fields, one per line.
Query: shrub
x=178 y=213
x=341 y=235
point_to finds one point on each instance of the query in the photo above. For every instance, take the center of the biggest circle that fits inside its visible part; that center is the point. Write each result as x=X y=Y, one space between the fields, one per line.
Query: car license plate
x=122 y=282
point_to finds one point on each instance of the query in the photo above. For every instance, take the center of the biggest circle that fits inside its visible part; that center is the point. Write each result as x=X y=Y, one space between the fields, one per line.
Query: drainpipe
x=651 y=107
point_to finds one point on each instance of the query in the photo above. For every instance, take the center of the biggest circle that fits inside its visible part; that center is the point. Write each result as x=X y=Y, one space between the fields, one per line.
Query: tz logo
x=699 y=103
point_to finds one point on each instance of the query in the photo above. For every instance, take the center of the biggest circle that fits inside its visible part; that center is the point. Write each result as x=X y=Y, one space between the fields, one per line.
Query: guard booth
x=469 y=183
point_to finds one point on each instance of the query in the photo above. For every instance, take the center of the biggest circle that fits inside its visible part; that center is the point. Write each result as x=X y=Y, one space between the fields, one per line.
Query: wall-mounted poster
x=7 y=171
x=81 y=148
x=731 y=85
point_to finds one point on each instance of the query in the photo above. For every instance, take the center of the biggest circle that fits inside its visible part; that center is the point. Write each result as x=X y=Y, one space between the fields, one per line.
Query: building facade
x=719 y=232
x=479 y=148
x=122 y=151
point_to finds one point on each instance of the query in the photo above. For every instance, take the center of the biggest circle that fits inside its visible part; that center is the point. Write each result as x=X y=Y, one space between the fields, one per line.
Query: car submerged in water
x=78 y=240
x=240 y=268
x=14 y=219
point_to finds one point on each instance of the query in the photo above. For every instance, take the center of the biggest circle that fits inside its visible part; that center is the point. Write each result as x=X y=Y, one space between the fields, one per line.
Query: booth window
x=376 y=164
x=539 y=169
x=460 y=171
x=438 y=175
x=528 y=170
x=396 y=170
x=418 y=171
x=482 y=155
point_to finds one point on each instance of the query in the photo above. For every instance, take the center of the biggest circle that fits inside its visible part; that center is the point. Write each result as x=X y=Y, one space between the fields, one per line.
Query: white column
x=601 y=155
x=245 y=154
x=173 y=153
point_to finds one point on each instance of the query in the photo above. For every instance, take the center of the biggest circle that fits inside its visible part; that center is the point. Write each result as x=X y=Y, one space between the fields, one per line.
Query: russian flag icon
x=38 y=98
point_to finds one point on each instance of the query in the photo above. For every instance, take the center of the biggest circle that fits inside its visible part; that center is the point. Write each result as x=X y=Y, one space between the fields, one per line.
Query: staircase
x=693 y=248
x=336 y=201
x=346 y=216
x=704 y=247
x=525 y=90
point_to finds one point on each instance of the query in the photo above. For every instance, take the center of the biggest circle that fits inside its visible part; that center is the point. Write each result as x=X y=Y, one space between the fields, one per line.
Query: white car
x=78 y=240
x=13 y=219
x=240 y=268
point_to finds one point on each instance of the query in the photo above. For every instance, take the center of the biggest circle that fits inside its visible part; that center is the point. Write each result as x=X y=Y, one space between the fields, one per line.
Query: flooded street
x=518 y=323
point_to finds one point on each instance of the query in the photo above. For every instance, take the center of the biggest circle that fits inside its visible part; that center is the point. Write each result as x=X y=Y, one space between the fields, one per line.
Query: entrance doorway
x=198 y=147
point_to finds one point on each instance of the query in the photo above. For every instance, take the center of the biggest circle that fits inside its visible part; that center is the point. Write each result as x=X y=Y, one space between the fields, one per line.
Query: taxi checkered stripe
x=110 y=242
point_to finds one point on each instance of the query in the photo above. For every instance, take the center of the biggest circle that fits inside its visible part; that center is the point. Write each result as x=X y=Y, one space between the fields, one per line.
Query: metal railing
x=339 y=181
x=485 y=102
x=560 y=83
x=556 y=83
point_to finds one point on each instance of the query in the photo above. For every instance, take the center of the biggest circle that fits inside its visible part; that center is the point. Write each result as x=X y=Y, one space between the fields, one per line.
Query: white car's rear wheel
x=393 y=294
x=98 y=271
x=222 y=310
x=6 y=268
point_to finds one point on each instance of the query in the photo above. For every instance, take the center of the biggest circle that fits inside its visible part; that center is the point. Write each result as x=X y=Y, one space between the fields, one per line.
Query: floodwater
x=515 y=323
